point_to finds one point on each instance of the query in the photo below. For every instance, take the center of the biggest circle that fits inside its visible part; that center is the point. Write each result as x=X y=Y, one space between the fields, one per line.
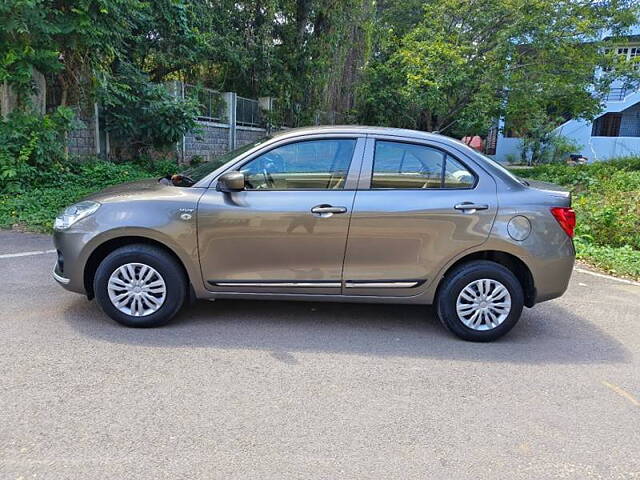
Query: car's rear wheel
x=140 y=286
x=480 y=301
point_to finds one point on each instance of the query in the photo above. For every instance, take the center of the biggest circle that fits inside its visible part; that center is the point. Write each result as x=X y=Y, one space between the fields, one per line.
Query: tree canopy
x=447 y=65
x=457 y=65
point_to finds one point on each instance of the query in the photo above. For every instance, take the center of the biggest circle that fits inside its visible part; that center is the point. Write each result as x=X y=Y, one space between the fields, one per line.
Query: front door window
x=309 y=165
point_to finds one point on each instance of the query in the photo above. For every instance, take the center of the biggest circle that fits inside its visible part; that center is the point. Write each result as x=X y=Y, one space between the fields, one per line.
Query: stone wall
x=210 y=140
x=246 y=135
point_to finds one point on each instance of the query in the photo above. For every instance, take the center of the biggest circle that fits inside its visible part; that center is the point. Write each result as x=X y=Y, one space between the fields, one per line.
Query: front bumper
x=69 y=268
x=59 y=278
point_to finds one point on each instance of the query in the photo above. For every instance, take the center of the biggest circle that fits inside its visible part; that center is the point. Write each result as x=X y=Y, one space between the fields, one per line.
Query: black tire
x=164 y=263
x=455 y=281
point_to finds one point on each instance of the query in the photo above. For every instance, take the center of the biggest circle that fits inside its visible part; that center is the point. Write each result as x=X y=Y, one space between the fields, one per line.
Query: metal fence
x=329 y=118
x=616 y=95
x=212 y=104
x=248 y=112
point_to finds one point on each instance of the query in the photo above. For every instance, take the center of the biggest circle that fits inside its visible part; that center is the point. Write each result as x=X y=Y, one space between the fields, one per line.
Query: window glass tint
x=315 y=164
x=403 y=165
x=456 y=175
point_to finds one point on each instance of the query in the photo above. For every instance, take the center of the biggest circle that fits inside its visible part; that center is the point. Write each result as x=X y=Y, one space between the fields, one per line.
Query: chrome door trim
x=278 y=284
x=369 y=284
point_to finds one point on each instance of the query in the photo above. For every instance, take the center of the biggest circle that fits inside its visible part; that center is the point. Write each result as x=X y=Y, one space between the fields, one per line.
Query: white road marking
x=602 y=275
x=622 y=393
x=26 y=254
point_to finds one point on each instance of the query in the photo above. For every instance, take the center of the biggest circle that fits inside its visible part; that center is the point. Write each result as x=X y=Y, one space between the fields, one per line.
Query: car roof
x=367 y=130
x=357 y=129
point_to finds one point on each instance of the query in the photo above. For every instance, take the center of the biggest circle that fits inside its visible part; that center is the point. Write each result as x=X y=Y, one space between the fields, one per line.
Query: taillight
x=566 y=217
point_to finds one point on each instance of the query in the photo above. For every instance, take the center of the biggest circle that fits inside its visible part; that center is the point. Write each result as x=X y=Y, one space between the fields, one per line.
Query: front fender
x=158 y=221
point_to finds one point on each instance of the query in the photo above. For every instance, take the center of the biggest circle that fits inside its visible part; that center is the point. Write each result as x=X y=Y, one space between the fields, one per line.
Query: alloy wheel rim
x=137 y=289
x=483 y=304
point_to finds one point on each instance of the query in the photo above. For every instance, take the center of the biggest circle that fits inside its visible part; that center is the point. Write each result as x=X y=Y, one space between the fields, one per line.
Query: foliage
x=447 y=65
x=25 y=33
x=623 y=261
x=606 y=197
x=305 y=52
x=36 y=206
x=107 y=50
x=453 y=64
x=545 y=146
x=32 y=147
x=145 y=116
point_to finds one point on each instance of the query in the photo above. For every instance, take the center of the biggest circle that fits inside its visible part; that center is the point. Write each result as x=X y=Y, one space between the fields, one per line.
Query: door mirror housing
x=231 y=182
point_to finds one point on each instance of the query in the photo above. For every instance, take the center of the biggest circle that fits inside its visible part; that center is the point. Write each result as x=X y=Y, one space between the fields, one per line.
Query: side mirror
x=231 y=182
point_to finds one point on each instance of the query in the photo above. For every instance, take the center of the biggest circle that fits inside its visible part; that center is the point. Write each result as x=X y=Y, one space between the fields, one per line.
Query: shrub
x=37 y=179
x=32 y=147
x=35 y=207
x=143 y=116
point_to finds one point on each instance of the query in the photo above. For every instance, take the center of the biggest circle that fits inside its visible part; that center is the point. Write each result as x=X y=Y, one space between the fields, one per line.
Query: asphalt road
x=274 y=390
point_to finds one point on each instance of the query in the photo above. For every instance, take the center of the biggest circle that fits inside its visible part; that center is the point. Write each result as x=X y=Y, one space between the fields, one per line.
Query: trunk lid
x=561 y=195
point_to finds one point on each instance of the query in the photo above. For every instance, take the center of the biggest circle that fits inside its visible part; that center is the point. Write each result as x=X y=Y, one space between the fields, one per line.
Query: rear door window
x=399 y=165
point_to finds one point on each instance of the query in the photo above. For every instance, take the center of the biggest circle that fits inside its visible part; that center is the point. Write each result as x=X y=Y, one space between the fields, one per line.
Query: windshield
x=197 y=173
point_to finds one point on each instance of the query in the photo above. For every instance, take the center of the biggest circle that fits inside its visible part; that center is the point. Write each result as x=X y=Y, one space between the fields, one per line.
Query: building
x=614 y=133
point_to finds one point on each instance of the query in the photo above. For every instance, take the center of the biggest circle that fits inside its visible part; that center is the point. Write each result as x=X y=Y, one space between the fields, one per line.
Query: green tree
x=115 y=52
x=461 y=64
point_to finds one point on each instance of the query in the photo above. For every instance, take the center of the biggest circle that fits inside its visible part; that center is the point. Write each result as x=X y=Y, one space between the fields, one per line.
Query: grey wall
x=211 y=140
x=246 y=135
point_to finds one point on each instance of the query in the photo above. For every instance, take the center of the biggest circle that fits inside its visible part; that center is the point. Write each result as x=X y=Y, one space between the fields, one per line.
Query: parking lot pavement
x=240 y=389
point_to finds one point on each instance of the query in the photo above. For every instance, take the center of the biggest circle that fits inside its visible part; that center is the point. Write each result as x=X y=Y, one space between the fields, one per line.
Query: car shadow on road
x=546 y=334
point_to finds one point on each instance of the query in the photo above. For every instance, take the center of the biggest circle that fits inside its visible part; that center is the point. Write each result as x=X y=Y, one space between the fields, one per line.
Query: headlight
x=75 y=213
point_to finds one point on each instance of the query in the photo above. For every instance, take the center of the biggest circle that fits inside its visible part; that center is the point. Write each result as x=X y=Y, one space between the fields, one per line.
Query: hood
x=142 y=189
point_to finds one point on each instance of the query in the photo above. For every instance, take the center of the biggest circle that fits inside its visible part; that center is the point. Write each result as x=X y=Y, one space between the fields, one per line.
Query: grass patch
x=621 y=261
x=606 y=197
x=34 y=208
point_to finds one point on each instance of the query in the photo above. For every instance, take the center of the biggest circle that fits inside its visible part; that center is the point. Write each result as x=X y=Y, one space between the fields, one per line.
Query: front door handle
x=468 y=207
x=325 y=210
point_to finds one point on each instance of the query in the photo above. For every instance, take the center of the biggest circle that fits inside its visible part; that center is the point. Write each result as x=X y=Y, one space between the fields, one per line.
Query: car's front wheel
x=480 y=301
x=140 y=286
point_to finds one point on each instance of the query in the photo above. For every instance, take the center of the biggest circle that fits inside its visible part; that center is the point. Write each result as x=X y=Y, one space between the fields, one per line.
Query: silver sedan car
x=346 y=214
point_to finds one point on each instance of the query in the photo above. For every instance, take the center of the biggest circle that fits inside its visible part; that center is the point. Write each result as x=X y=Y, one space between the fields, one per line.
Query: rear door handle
x=468 y=207
x=325 y=210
